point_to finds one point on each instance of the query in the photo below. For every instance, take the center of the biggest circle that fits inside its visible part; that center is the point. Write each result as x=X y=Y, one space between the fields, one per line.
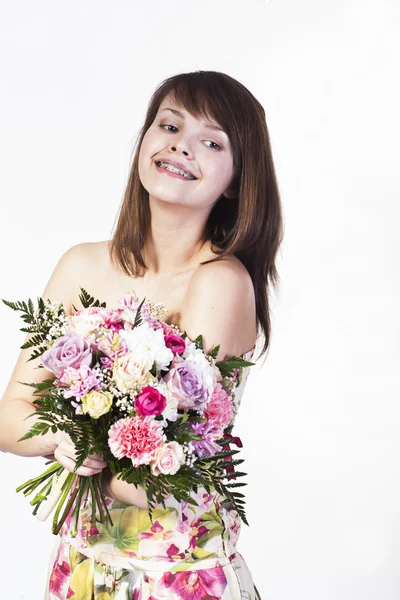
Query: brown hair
x=249 y=226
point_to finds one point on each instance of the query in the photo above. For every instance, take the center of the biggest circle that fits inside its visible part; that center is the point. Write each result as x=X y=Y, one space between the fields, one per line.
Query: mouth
x=174 y=170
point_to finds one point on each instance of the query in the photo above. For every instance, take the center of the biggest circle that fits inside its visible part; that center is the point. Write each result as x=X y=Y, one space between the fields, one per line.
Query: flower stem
x=83 y=486
x=66 y=489
x=57 y=526
x=33 y=483
x=43 y=493
x=93 y=502
x=98 y=499
x=104 y=500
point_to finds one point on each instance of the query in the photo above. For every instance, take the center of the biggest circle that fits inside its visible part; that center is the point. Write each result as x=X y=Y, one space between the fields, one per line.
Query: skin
x=173 y=251
x=180 y=208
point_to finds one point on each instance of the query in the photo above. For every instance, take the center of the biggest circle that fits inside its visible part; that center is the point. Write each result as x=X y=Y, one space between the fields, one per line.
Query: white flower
x=84 y=324
x=171 y=409
x=132 y=371
x=147 y=342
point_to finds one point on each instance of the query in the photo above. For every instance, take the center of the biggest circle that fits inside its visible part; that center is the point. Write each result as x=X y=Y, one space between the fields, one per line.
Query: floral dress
x=187 y=553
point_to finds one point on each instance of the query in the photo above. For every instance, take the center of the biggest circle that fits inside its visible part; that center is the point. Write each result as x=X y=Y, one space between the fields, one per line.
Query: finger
x=96 y=457
x=94 y=464
x=70 y=464
x=67 y=462
x=67 y=451
x=87 y=471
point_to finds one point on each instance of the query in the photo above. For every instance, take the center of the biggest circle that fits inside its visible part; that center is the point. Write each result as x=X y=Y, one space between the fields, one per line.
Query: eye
x=218 y=147
x=168 y=126
x=215 y=144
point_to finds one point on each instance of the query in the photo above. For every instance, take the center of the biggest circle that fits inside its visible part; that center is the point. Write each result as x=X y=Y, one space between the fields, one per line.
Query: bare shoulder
x=70 y=272
x=76 y=269
x=220 y=305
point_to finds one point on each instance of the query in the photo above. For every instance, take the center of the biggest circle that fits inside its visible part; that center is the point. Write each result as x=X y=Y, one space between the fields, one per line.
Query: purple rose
x=69 y=350
x=185 y=381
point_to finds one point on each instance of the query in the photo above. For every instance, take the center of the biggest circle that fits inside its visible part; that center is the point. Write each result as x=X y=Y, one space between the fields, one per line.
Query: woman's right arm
x=17 y=402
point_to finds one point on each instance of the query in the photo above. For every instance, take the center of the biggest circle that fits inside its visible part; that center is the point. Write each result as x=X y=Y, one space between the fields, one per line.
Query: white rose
x=168 y=459
x=132 y=371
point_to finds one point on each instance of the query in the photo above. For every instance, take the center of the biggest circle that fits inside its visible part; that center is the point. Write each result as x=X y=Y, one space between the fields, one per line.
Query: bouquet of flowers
x=136 y=390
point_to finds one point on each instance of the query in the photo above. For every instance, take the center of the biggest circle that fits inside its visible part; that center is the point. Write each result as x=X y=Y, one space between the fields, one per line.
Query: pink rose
x=150 y=402
x=219 y=408
x=168 y=459
x=176 y=343
x=138 y=438
x=69 y=350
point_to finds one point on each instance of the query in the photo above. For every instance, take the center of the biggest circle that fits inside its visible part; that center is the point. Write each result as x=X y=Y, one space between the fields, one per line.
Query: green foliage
x=228 y=366
x=27 y=309
x=138 y=317
x=42 y=386
x=88 y=300
x=214 y=351
x=39 y=428
x=40 y=323
x=198 y=341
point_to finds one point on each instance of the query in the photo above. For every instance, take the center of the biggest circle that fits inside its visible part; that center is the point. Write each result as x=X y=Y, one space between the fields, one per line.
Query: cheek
x=221 y=172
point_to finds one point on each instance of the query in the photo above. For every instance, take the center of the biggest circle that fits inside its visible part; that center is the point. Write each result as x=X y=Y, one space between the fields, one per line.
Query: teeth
x=174 y=169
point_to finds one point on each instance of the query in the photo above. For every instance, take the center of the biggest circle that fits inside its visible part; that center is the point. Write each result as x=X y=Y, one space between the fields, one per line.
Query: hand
x=65 y=454
x=122 y=491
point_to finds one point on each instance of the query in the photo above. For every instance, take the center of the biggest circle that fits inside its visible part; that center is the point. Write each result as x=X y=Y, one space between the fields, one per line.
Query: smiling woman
x=198 y=230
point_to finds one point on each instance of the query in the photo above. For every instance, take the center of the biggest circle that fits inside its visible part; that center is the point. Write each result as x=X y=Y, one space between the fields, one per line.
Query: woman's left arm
x=121 y=490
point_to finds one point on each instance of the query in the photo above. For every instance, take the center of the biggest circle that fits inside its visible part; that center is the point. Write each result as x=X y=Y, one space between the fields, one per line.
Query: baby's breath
x=156 y=309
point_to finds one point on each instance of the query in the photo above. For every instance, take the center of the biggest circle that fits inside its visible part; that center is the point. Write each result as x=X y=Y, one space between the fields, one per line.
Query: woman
x=198 y=230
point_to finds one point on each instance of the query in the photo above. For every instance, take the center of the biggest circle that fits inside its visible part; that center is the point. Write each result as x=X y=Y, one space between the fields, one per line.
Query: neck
x=176 y=238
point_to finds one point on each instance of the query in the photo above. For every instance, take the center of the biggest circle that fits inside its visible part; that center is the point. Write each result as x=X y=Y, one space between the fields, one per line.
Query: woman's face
x=203 y=151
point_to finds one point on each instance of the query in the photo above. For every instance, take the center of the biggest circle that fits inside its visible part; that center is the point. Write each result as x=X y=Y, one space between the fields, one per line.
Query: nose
x=174 y=147
x=185 y=152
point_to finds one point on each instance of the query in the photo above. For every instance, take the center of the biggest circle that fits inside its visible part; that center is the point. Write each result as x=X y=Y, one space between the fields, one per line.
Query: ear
x=229 y=193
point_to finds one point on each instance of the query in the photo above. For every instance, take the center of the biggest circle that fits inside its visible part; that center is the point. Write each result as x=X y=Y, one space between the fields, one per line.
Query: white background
x=320 y=419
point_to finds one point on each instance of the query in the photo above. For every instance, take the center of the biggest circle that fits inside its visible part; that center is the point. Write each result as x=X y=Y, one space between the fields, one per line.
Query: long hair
x=250 y=226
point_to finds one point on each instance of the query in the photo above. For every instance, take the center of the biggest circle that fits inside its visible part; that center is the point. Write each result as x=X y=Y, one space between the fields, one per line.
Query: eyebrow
x=208 y=125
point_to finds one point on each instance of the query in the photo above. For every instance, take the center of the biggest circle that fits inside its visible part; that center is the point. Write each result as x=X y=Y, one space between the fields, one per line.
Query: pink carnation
x=112 y=318
x=138 y=438
x=219 y=408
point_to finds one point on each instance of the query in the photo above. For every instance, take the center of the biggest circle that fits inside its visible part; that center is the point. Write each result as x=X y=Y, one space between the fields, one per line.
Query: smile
x=173 y=171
